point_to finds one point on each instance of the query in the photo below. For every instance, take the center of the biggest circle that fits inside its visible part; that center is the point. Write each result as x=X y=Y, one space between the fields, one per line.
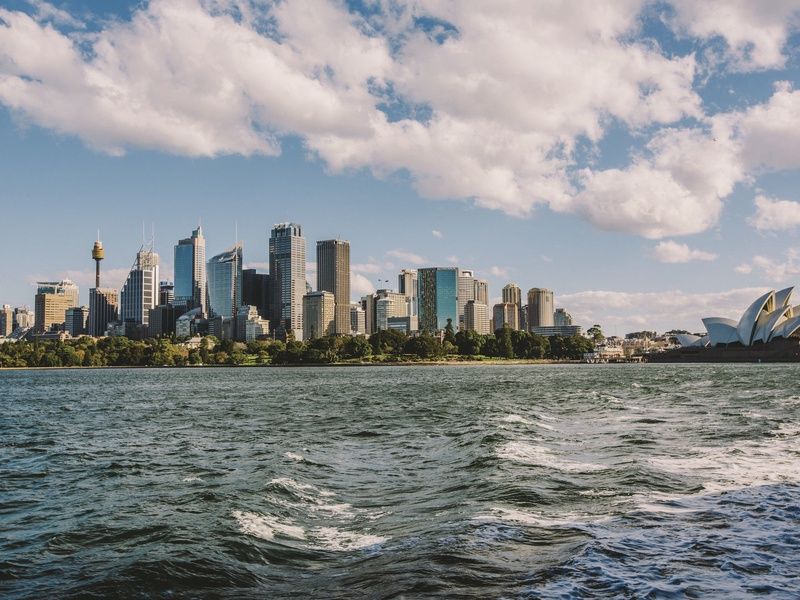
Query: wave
x=266 y=526
x=294 y=457
x=541 y=456
x=522 y=420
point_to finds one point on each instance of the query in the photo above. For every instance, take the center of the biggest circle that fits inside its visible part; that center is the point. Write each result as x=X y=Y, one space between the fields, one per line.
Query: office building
x=512 y=294
x=406 y=325
x=482 y=291
x=53 y=298
x=190 y=271
x=437 y=296
x=140 y=293
x=163 y=318
x=24 y=318
x=358 y=320
x=77 y=321
x=381 y=306
x=224 y=273
x=505 y=313
x=249 y=324
x=407 y=285
x=476 y=318
x=319 y=315
x=257 y=291
x=287 y=267
x=333 y=275
x=561 y=318
x=466 y=292
x=166 y=293
x=190 y=323
x=540 y=308
x=6 y=320
x=103 y=309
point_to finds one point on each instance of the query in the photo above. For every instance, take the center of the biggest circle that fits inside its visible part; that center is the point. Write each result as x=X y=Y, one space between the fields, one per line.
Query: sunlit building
x=319 y=315
x=190 y=271
x=437 y=293
x=333 y=275
x=287 y=267
x=53 y=298
x=540 y=308
x=140 y=293
x=224 y=273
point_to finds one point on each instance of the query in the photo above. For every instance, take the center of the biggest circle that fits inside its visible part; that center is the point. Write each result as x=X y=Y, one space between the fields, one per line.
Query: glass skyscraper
x=437 y=294
x=225 y=283
x=190 y=271
x=287 y=266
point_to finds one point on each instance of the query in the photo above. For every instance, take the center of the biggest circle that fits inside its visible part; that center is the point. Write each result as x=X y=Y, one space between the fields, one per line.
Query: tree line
x=383 y=346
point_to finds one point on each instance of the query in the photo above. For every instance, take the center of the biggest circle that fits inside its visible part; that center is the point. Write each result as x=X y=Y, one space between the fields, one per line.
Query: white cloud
x=621 y=312
x=370 y=267
x=360 y=285
x=452 y=259
x=755 y=32
x=437 y=234
x=47 y=12
x=669 y=251
x=414 y=260
x=260 y=266
x=776 y=269
x=775 y=215
x=498 y=271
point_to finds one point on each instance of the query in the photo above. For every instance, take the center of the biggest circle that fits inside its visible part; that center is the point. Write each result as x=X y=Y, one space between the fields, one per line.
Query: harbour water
x=629 y=481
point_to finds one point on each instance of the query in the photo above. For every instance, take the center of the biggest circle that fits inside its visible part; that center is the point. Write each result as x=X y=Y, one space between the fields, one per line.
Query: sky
x=641 y=159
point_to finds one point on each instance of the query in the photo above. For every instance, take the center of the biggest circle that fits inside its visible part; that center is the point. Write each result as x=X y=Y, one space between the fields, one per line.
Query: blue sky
x=640 y=159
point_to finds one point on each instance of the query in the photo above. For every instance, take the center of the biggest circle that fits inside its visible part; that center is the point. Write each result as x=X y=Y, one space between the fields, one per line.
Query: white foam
x=293 y=456
x=314 y=499
x=516 y=419
x=569 y=520
x=598 y=493
x=337 y=540
x=191 y=479
x=531 y=454
x=266 y=526
x=301 y=489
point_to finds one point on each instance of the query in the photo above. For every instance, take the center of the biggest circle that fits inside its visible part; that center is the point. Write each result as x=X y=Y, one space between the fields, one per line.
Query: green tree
x=449 y=334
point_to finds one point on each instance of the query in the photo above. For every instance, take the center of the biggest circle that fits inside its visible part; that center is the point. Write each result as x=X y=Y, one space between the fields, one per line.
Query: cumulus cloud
x=437 y=234
x=409 y=258
x=621 y=312
x=360 y=285
x=496 y=271
x=775 y=215
x=774 y=269
x=459 y=105
x=669 y=251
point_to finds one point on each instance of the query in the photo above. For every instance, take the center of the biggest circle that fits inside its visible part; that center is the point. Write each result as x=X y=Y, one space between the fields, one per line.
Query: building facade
x=482 y=291
x=190 y=271
x=249 y=324
x=561 y=318
x=437 y=294
x=24 y=318
x=6 y=320
x=140 y=293
x=53 y=298
x=166 y=293
x=407 y=285
x=540 y=308
x=77 y=321
x=512 y=294
x=319 y=315
x=224 y=281
x=333 y=275
x=476 y=318
x=103 y=309
x=505 y=313
x=466 y=292
x=257 y=291
x=287 y=267
x=358 y=320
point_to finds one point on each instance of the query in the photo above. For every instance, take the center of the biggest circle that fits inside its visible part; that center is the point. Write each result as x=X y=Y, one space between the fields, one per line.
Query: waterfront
x=519 y=481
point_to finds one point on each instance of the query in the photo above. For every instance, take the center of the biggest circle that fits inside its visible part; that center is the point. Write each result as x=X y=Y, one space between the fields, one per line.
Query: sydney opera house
x=770 y=317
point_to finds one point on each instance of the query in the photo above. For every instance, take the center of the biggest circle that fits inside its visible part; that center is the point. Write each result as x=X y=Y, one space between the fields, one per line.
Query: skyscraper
x=53 y=298
x=506 y=314
x=562 y=318
x=140 y=292
x=224 y=273
x=476 y=317
x=466 y=292
x=103 y=309
x=190 y=271
x=333 y=275
x=287 y=266
x=6 y=320
x=319 y=315
x=512 y=294
x=407 y=285
x=166 y=293
x=437 y=293
x=482 y=291
x=257 y=291
x=76 y=320
x=540 y=308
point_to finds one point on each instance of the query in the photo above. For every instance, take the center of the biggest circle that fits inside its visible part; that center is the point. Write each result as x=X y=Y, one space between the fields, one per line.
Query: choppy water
x=652 y=481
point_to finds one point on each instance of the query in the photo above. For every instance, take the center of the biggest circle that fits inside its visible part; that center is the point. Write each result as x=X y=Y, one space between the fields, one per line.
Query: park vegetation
x=382 y=347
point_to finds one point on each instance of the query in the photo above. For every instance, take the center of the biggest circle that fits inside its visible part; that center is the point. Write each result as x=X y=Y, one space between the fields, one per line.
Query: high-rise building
x=140 y=292
x=319 y=315
x=333 y=275
x=466 y=292
x=6 y=320
x=407 y=285
x=257 y=291
x=512 y=294
x=163 y=318
x=103 y=309
x=437 y=294
x=190 y=271
x=224 y=272
x=476 y=318
x=24 y=318
x=383 y=305
x=76 y=320
x=482 y=291
x=562 y=318
x=358 y=320
x=506 y=314
x=166 y=293
x=540 y=308
x=53 y=298
x=249 y=324
x=287 y=266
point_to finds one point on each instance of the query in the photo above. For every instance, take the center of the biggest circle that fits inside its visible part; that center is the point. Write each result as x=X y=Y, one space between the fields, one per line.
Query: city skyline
x=674 y=196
